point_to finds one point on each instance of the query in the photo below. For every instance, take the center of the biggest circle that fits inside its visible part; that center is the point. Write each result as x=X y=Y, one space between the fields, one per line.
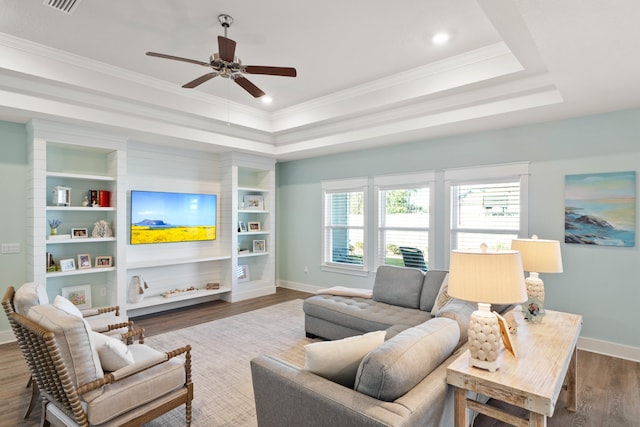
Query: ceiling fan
x=225 y=64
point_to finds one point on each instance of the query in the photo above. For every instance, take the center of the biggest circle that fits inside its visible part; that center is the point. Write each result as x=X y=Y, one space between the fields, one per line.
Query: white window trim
x=346 y=186
x=392 y=182
x=486 y=174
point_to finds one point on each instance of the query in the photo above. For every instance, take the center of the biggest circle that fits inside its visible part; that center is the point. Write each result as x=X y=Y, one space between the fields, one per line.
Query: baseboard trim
x=6 y=337
x=297 y=286
x=607 y=348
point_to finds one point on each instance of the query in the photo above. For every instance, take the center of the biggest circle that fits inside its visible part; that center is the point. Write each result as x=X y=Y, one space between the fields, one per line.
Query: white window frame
x=486 y=175
x=345 y=186
x=399 y=182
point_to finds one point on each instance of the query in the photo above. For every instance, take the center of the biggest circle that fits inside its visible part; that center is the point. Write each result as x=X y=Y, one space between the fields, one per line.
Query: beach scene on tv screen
x=158 y=217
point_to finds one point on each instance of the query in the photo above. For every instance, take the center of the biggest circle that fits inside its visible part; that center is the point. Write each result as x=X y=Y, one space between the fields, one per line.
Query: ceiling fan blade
x=272 y=71
x=249 y=87
x=199 y=80
x=226 y=48
x=177 y=58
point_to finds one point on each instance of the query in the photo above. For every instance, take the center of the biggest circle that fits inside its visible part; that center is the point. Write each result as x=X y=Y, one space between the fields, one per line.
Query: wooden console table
x=546 y=357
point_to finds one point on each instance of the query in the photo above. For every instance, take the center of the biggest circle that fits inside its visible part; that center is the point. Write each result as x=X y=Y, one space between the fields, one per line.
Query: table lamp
x=538 y=256
x=486 y=277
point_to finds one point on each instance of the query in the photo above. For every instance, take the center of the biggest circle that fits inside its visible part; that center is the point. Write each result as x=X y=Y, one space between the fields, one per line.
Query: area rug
x=221 y=352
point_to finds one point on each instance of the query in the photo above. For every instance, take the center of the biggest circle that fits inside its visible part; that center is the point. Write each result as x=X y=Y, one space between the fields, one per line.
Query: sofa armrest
x=286 y=395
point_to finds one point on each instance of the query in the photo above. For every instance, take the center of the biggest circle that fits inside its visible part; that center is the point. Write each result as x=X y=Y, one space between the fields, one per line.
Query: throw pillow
x=397 y=366
x=443 y=297
x=28 y=295
x=430 y=288
x=64 y=304
x=338 y=360
x=113 y=353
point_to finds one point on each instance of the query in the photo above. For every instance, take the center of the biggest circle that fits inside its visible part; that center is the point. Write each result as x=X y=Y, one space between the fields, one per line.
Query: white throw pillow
x=113 y=353
x=442 y=299
x=338 y=360
x=65 y=305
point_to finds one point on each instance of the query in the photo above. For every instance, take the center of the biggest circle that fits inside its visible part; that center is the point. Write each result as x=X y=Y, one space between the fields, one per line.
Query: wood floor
x=608 y=388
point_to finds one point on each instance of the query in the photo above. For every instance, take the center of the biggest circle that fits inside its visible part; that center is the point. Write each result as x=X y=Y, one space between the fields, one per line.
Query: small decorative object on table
x=213 y=286
x=533 y=310
x=54 y=224
x=102 y=228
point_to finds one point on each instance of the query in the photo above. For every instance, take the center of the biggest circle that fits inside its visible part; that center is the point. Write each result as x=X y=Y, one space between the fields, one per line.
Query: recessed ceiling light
x=267 y=99
x=440 y=38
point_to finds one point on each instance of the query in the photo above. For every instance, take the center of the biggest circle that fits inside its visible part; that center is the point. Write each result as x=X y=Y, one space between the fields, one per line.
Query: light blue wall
x=13 y=184
x=601 y=283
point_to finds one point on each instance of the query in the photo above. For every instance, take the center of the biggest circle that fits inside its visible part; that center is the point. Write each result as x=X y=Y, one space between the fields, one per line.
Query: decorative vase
x=136 y=289
x=54 y=231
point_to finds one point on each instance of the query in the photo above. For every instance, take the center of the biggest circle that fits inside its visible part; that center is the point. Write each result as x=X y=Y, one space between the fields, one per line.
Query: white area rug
x=222 y=349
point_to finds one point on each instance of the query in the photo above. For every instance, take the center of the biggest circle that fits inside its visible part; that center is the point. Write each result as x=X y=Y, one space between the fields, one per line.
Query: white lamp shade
x=539 y=255
x=494 y=277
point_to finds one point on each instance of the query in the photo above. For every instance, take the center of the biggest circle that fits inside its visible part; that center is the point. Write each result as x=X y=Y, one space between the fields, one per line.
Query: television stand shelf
x=159 y=303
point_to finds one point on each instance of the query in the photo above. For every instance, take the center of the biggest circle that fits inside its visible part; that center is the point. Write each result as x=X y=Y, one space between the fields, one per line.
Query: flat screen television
x=160 y=217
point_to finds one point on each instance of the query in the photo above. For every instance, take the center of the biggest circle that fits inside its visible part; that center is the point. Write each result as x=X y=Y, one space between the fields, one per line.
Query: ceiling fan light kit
x=225 y=64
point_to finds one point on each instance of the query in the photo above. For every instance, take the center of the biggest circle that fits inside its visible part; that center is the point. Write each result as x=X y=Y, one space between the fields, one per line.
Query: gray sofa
x=400 y=383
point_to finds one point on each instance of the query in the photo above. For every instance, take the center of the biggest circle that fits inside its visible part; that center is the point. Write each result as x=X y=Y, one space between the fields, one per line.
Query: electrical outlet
x=103 y=292
x=306 y=269
x=11 y=248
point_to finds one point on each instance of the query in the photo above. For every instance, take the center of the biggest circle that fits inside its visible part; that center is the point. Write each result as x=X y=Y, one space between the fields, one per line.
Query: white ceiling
x=368 y=72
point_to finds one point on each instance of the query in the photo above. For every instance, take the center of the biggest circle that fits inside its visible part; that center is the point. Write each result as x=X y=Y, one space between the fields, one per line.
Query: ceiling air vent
x=66 y=6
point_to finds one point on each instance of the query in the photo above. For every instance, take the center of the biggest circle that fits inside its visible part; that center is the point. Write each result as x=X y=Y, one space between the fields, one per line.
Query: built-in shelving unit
x=251 y=181
x=84 y=159
x=81 y=160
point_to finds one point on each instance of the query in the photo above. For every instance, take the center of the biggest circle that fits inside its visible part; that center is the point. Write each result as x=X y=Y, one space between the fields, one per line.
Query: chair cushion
x=398 y=286
x=460 y=311
x=113 y=353
x=75 y=343
x=338 y=360
x=137 y=390
x=398 y=365
x=29 y=295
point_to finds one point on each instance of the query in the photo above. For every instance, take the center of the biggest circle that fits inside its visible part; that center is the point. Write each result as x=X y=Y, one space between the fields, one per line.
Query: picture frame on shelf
x=242 y=273
x=253 y=202
x=242 y=227
x=79 y=233
x=259 y=246
x=104 y=261
x=67 y=264
x=254 y=226
x=80 y=295
x=84 y=261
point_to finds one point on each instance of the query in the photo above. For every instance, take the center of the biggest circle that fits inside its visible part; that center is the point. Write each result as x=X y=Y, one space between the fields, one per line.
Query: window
x=404 y=219
x=486 y=207
x=344 y=224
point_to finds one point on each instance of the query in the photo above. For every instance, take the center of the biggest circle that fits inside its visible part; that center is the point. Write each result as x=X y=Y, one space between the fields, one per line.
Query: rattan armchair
x=74 y=388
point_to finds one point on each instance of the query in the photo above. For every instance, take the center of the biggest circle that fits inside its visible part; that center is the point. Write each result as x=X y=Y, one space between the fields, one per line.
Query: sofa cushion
x=398 y=286
x=398 y=365
x=431 y=286
x=360 y=314
x=28 y=295
x=460 y=311
x=338 y=360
